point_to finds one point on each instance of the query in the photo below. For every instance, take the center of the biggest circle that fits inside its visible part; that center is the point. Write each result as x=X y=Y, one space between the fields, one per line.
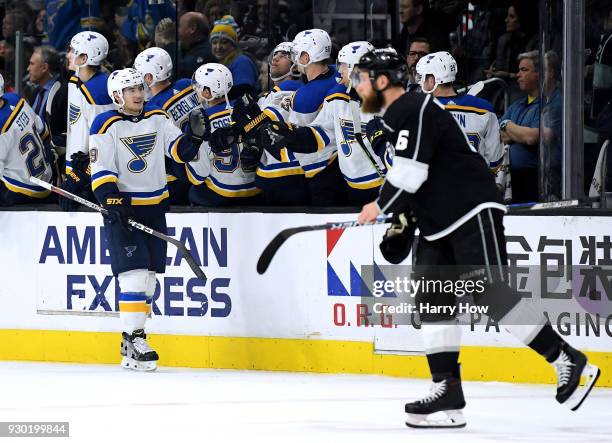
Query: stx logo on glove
x=256 y=121
x=114 y=201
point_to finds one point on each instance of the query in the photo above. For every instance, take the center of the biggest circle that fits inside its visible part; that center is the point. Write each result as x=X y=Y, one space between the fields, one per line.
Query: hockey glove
x=222 y=139
x=247 y=115
x=250 y=156
x=77 y=181
x=397 y=241
x=119 y=207
x=377 y=135
x=199 y=126
x=281 y=134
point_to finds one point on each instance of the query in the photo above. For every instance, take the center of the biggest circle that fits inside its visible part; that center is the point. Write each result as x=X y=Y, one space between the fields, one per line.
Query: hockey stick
x=268 y=254
x=359 y=137
x=270 y=251
x=179 y=245
x=476 y=88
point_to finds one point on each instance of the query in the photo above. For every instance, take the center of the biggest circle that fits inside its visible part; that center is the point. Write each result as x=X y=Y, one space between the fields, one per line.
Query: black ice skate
x=570 y=366
x=441 y=408
x=136 y=352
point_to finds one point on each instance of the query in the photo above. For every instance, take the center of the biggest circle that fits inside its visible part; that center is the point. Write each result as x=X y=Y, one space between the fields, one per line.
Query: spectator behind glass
x=419 y=21
x=520 y=128
x=213 y=10
x=602 y=69
x=419 y=48
x=224 y=41
x=520 y=37
x=552 y=112
x=43 y=70
x=195 y=50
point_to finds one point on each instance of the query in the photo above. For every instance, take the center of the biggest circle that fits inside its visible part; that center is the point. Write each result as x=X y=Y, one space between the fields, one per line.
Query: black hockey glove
x=222 y=139
x=377 y=134
x=250 y=154
x=119 y=207
x=199 y=126
x=281 y=134
x=247 y=115
x=77 y=181
x=397 y=241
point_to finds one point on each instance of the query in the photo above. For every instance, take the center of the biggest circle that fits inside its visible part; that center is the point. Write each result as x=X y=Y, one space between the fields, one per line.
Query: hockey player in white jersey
x=224 y=172
x=436 y=73
x=176 y=98
x=127 y=150
x=362 y=168
x=21 y=151
x=282 y=179
x=87 y=98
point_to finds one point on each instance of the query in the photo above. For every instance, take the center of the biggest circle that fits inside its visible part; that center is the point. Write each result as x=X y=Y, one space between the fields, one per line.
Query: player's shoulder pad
x=104 y=121
x=13 y=106
x=471 y=104
x=310 y=97
x=179 y=89
x=95 y=90
x=218 y=111
x=288 y=85
x=337 y=92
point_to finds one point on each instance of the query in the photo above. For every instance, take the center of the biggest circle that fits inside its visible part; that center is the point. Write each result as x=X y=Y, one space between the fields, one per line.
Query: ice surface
x=110 y=404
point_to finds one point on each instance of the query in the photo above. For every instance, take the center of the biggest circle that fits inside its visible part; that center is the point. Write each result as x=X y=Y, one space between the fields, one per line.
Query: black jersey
x=436 y=171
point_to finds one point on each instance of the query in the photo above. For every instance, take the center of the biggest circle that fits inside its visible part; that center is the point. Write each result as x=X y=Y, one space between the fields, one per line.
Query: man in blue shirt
x=520 y=128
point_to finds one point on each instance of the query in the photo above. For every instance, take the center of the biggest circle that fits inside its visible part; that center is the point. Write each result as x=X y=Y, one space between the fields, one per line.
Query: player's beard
x=372 y=103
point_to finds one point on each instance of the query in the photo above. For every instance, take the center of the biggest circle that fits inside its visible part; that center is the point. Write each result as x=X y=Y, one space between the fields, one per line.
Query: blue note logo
x=348 y=136
x=74 y=112
x=129 y=250
x=91 y=37
x=140 y=146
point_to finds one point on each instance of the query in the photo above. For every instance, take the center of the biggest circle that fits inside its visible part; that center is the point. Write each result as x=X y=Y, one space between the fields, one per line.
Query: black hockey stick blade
x=270 y=251
x=179 y=245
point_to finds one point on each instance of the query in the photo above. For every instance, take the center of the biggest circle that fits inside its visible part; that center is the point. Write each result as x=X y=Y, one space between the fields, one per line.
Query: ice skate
x=441 y=408
x=571 y=365
x=136 y=352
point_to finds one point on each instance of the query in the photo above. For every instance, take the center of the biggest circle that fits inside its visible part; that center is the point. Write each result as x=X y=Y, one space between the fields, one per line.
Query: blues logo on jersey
x=348 y=136
x=74 y=113
x=140 y=146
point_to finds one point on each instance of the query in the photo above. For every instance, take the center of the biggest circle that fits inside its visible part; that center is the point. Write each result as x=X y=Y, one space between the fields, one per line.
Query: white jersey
x=305 y=106
x=21 y=148
x=277 y=106
x=476 y=118
x=86 y=100
x=335 y=123
x=222 y=175
x=130 y=152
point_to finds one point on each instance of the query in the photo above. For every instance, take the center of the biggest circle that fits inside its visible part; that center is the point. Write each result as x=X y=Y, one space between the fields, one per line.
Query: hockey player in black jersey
x=439 y=178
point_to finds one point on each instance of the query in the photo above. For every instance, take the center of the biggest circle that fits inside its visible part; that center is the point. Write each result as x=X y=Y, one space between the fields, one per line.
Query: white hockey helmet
x=154 y=61
x=1 y=85
x=315 y=42
x=121 y=79
x=351 y=54
x=441 y=65
x=214 y=76
x=93 y=44
x=285 y=47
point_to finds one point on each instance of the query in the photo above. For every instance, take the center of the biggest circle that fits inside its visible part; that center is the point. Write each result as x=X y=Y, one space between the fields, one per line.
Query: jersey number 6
x=402 y=140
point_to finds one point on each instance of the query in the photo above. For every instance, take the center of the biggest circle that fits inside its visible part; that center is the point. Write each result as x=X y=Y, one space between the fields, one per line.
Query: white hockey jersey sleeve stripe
x=101 y=177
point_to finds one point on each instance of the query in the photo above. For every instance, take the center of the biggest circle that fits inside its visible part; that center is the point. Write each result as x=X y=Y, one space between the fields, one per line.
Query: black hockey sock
x=547 y=343
x=441 y=364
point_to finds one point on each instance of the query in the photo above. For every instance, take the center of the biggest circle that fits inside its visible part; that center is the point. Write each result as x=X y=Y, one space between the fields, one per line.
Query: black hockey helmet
x=385 y=61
